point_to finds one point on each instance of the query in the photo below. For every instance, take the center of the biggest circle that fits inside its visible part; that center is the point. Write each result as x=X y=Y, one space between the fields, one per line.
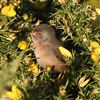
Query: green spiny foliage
x=76 y=24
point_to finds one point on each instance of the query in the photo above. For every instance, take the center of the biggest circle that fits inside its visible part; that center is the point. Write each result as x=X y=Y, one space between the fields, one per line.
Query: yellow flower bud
x=65 y=52
x=82 y=79
x=62 y=1
x=49 y=68
x=11 y=37
x=83 y=82
x=0 y=5
x=25 y=16
x=37 y=23
x=62 y=90
x=94 y=92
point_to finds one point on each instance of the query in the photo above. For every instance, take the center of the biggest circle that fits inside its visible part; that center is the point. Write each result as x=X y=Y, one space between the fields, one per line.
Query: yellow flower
x=15 y=93
x=8 y=10
x=83 y=82
x=94 y=44
x=95 y=57
x=97 y=50
x=22 y=45
x=98 y=11
x=65 y=52
x=25 y=16
x=33 y=68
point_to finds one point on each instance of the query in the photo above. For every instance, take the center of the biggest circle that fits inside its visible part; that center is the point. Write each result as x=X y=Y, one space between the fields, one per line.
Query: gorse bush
x=77 y=26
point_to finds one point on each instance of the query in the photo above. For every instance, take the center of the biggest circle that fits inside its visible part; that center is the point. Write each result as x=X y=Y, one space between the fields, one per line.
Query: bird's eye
x=33 y=36
x=39 y=35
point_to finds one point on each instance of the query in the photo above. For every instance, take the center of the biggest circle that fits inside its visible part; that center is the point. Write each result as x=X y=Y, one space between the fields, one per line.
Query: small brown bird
x=46 y=48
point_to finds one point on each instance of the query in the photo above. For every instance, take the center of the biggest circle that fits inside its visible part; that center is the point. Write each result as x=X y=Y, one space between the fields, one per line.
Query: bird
x=46 y=49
